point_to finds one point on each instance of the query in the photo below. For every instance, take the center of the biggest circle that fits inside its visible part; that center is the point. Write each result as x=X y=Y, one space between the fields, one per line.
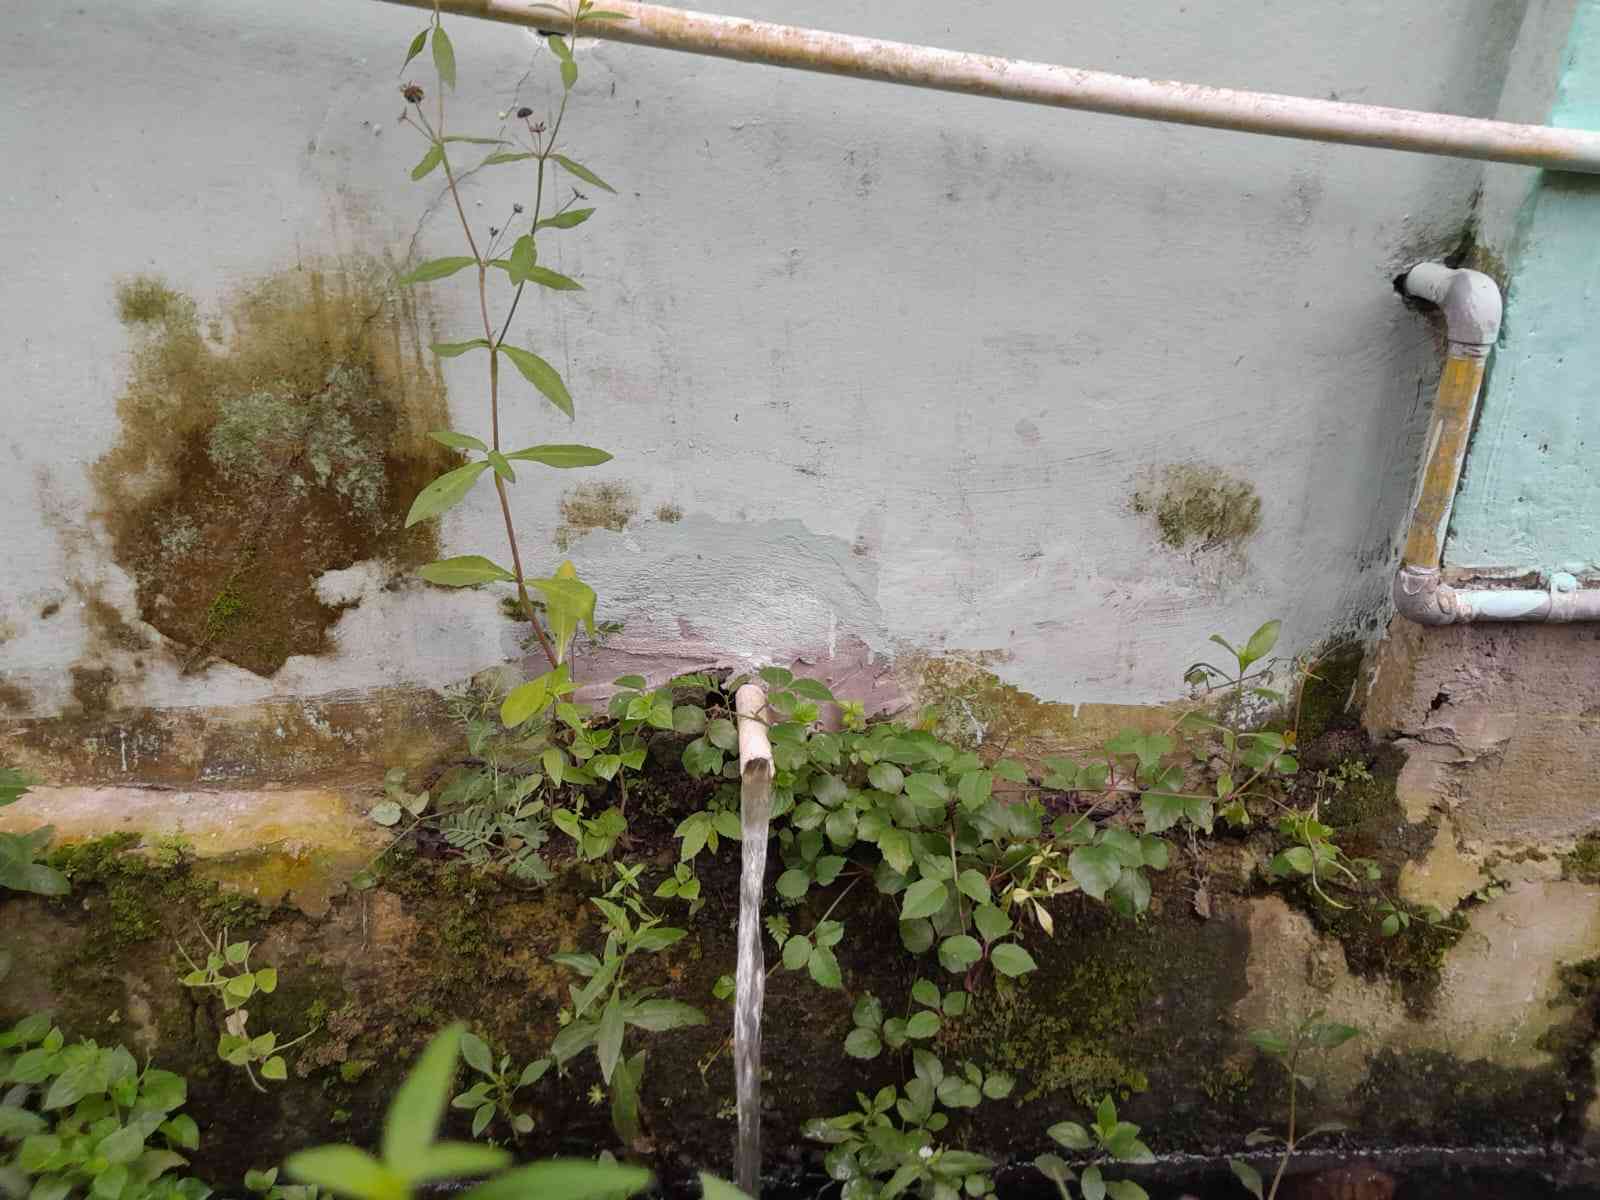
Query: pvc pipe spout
x=1064 y=87
x=1470 y=301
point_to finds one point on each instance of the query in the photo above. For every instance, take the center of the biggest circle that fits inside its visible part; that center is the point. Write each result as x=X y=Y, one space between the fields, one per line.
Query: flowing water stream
x=755 y=813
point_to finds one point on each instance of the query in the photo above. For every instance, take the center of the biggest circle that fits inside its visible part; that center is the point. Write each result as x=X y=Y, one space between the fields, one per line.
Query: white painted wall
x=900 y=357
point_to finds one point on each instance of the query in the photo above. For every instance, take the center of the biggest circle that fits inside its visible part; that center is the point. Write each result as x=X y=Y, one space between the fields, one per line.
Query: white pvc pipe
x=1063 y=87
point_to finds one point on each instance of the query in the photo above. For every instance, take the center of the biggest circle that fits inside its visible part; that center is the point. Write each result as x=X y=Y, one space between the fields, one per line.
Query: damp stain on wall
x=260 y=446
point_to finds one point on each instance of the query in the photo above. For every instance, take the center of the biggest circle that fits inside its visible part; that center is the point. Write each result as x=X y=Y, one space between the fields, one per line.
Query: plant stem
x=1288 y=1146
x=494 y=392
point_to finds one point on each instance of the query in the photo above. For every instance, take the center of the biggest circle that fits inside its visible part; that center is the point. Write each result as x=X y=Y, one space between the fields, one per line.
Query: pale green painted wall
x=1531 y=493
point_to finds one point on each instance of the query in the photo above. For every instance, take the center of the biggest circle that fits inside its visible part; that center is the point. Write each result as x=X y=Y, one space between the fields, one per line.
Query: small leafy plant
x=1288 y=1048
x=496 y=1092
x=1109 y=1140
x=604 y=1008
x=83 y=1119
x=20 y=868
x=265 y=1184
x=227 y=970
x=411 y=1155
x=512 y=248
x=886 y=1147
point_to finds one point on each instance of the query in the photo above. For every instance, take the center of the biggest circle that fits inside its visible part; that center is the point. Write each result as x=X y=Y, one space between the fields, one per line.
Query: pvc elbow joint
x=1469 y=300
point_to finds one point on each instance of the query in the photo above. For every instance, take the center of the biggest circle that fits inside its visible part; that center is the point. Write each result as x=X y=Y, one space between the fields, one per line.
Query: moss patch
x=595 y=506
x=1583 y=862
x=1200 y=506
x=144 y=300
x=1434 y=1095
x=244 y=471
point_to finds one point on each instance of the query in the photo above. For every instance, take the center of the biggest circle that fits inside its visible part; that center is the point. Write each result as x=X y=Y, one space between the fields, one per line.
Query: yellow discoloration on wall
x=343 y=737
x=1447 y=448
x=970 y=704
x=1200 y=506
x=595 y=506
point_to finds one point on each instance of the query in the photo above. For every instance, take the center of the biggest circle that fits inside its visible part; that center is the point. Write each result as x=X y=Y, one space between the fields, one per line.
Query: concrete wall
x=908 y=365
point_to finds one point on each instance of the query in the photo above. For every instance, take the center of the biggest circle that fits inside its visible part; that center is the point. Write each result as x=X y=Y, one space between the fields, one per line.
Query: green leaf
x=923 y=899
x=1012 y=960
x=660 y=1015
x=553 y=280
x=523 y=701
x=1260 y=644
x=455 y=350
x=973 y=885
x=583 y=173
x=541 y=374
x=1268 y=1042
x=476 y=1052
x=712 y=1188
x=1095 y=869
x=431 y=158
x=997 y=1085
x=916 y=936
x=886 y=777
x=824 y=967
x=524 y=254
x=895 y=846
x=506 y=156
x=455 y=1160
x=501 y=467
x=267 y=980
x=796 y=952
x=992 y=922
x=275 y=1068
x=722 y=734
x=608 y=1043
x=444 y=492
x=1247 y=1175
x=1070 y=1134
x=348 y=1171
x=1092 y=1185
x=121 y=1145
x=465 y=571
x=959 y=952
x=1125 y=1189
x=444 y=56
x=563 y=1179
x=419 y=1102
x=108 y=1184
x=565 y=457
x=973 y=789
x=566 y=220
x=922 y=1024
x=417 y=43
x=1329 y=1036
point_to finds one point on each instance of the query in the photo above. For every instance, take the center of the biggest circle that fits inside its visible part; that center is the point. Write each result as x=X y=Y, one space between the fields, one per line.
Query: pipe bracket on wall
x=1470 y=304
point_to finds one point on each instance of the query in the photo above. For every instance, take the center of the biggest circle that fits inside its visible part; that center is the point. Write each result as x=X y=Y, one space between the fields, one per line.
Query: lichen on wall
x=283 y=439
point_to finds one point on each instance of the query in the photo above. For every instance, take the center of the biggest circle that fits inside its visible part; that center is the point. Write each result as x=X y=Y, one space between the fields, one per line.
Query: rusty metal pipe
x=1065 y=87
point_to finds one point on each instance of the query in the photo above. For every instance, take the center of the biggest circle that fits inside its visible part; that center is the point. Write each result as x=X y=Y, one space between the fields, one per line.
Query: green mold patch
x=1435 y=1095
x=247 y=466
x=1201 y=507
x=592 y=506
x=1369 y=823
x=1582 y=863
x=145 y=300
